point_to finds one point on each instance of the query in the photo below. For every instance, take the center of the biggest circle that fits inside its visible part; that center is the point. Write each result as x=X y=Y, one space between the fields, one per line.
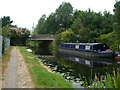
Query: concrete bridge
x=44 y=37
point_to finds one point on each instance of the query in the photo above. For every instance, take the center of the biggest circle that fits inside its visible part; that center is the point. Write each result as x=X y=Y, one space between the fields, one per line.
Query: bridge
x=44 y=37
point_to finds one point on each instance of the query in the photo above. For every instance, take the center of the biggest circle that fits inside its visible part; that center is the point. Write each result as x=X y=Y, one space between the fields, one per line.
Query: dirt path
x=17 y=75
x=24 y=79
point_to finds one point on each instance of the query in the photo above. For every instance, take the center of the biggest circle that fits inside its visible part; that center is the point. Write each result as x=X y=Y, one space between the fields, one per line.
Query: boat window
x=81 y=46
x=87 y=47
x=77 y=46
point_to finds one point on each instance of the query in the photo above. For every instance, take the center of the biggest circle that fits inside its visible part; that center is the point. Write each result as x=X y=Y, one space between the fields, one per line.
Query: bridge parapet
x=47 y=35
x=44 y=37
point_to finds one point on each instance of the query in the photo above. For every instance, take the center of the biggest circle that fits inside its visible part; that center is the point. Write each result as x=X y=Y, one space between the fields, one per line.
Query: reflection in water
x=91 y=62
x=72 y=67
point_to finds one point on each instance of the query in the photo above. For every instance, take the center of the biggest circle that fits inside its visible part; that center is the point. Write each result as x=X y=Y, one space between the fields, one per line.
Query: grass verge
x=40 y=76
x=5 y=59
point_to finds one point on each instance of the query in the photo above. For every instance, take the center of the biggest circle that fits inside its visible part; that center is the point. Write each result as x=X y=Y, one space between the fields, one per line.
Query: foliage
x=6 y=59
x=40 y=76
x=64 y=14
x=107 y=81
x=34 y=45
x=67 y=36
x=117 y=15
x=6 y=21
x=117 y=12
x=113 y=38
x=18 y=36
x=109 y=39
x=54 y=48
x=51 y=24
x=40 y=27
x=88 y=26
x=77 y=25
x=55 y=22
x=6 y=34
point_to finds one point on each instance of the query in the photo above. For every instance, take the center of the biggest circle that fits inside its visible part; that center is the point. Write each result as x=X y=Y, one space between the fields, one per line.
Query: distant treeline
x=83 y=26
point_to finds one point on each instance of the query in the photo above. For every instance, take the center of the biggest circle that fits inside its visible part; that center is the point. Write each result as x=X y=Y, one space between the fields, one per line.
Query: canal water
x=77 y=69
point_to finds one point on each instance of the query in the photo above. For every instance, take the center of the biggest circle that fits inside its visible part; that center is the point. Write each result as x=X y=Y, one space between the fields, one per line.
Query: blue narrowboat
x=88 y=49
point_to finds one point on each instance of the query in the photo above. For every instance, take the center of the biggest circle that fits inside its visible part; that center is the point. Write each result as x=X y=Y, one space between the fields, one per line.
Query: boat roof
x=83 y=43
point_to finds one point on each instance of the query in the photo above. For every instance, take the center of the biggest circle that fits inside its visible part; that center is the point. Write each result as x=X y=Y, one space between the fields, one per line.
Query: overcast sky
x=26 y=12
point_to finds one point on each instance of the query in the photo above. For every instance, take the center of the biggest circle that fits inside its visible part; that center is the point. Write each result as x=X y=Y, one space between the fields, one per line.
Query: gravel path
x=24 y=79
x=11 y=81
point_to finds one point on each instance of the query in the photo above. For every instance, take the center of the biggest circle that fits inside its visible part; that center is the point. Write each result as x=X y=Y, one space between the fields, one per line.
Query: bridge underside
x=45 y=41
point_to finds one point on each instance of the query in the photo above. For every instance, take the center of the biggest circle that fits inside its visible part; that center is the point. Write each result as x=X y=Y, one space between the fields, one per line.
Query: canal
x=77 y=69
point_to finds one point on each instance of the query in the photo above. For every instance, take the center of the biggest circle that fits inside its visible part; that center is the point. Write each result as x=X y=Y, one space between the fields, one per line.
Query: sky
x=25 y=13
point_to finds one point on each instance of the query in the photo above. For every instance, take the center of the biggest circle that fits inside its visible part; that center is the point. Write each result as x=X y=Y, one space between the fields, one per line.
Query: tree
x=6 y=21
x=51 y=24
x=64 y=15
x=40 y=28
x=57 y=22
x=77 y=25
x=117 y=14
x=67 y=36
x=110 y=39
x=19 y=36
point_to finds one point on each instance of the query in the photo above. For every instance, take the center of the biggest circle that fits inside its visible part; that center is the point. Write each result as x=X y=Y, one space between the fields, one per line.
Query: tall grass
x=107 y=81
x=5 y=59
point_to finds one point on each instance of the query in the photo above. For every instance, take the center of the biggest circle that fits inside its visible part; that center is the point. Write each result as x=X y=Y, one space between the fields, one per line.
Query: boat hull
x=89 y=54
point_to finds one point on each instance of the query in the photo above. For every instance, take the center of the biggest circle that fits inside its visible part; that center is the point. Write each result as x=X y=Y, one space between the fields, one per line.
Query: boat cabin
x=86 y=46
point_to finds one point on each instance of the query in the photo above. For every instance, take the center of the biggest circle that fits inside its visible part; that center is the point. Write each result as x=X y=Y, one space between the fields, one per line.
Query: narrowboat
x=88 y=50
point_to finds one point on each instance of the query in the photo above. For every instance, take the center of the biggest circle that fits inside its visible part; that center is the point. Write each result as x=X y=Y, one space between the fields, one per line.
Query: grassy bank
x=40 y=76
x=6 y=59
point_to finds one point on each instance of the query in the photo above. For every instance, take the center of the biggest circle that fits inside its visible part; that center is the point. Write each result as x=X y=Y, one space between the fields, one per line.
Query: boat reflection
x=91 y=62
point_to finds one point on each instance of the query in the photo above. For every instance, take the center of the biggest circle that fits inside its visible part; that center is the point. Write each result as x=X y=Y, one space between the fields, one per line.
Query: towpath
x=17 y=75
x=11 y=81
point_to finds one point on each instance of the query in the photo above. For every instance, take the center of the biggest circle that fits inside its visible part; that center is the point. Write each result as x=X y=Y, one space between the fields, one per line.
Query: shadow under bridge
x=45 y=40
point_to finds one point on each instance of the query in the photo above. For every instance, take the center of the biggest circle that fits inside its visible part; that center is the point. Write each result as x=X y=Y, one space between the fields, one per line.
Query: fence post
x=1 y=40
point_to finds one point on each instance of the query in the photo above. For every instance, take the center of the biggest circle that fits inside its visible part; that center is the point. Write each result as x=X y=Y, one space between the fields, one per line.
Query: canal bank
x=39 y=74
x=78 y=70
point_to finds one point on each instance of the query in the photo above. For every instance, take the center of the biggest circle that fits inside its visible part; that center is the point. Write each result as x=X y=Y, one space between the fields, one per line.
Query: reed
x=107 y=81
